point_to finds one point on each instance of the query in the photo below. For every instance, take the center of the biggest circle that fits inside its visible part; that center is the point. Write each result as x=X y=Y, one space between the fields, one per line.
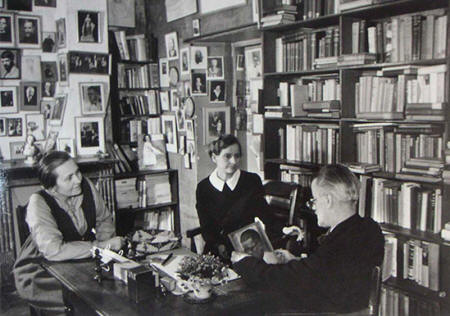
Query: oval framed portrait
x=189 y=107
x=173 y=76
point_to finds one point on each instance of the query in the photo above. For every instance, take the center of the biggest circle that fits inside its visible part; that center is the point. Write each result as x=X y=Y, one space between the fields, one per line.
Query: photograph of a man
x=48 y=89
x=198 y=83
x=8 y=68
x=30 y=95
x=28 y=30
x=6 y=98
x=92 y=98
x=5 y=29
x=217 y=91
x=89 y=134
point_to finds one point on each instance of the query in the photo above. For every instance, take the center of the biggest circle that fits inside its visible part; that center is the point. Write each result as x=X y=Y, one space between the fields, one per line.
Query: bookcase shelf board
x=147 y=208
x=239 y=33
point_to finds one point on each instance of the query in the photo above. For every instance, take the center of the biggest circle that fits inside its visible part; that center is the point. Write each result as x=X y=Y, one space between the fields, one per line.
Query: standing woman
x=229 y=198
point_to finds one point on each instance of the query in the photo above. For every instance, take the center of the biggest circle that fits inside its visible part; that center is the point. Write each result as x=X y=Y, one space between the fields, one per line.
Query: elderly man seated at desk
x=66 y=219
x=336 y=277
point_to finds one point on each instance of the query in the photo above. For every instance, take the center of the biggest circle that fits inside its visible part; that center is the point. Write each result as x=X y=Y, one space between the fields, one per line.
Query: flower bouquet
x=200 y=273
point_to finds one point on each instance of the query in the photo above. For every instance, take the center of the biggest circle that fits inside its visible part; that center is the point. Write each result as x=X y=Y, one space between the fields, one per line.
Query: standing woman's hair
x=224 y=141
x=47 y=164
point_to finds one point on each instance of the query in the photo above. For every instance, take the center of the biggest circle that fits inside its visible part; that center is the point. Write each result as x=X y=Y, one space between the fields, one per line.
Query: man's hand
x=294 y=230
x=284 y=256
x=238 y=256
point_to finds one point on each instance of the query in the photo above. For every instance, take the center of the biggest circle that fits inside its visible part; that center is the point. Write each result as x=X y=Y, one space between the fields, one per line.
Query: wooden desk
x=110 y=297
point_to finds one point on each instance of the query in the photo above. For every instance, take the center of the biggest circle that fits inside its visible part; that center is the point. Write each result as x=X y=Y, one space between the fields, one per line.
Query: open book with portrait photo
x=152 y=153
x=251 y=239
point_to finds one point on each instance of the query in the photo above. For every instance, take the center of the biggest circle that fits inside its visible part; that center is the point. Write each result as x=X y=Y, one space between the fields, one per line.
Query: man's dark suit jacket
x=334 y=278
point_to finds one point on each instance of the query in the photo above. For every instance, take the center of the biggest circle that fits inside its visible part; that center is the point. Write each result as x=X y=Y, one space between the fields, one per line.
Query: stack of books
x=326 y=109
x=363 y=167
x=356 y=59
x=423 y=166
x=280 y=14
x=277 y=111
x=126 y=194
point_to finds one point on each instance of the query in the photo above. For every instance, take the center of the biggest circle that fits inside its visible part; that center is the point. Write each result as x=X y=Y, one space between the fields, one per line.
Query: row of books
x=414 y=260
x=145 y=103
x=138 y=76
x=105 y=185
x=405 y=204
x=394 y=302
x=160 y=219
x=132 y=47
x=302 y=50
x=6 y=224
x=315 y=143
x=296 y=174
x=400 y=148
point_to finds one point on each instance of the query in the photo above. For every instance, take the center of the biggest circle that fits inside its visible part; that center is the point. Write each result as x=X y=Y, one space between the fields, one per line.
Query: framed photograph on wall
x=88 y=27
x=217 y=91
x=163 y=72
x=198 y=83
x=172 y=46
x=216 y=122
x=239 y=62
x=245 y=238
x=90 y=135
x=31 y=68
x=36 y=125
x=152 y=154
x=3 y=126
x=19 y=5
x=195 y=27
x=199 y=57
x=16 y=150
x=92 y=98
x=253 y=66
x=67 y=145
x=49 y=42
x=61 y=33
x=15 y=126
x=7 y=30
x=30 y=96
x=47 y=106
x=45 y=3
x=215 y=67
x=169 y=129
x=174 y=100
x=190 y=129
x=49 y=71
x=89 y=63
x=184 y=61
x=57 y=116
x=63 y=69
x=28 y=31
x=10 y=65
x=164 y=99
x=8 y=100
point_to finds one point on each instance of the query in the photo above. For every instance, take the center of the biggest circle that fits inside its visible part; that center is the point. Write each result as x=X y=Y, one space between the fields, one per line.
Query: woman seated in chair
x=229 y=198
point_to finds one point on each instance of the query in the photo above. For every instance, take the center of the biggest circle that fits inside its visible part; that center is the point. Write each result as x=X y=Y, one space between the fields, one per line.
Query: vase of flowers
x=201 y=273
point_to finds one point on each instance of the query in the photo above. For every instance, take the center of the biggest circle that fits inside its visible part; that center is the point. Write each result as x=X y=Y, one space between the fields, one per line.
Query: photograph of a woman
x=152 y=152
x=88 y=27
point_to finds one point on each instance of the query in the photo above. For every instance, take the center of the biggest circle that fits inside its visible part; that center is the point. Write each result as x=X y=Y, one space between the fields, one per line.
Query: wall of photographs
x=54 y=81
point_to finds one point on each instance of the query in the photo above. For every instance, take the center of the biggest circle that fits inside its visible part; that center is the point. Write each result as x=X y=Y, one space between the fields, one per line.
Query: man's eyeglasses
x=311 y=203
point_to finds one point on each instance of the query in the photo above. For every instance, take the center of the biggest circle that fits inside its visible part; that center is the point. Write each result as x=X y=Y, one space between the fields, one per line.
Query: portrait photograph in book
x=30 y=96
x=15 y=126
x=92 y=97
x=28 y=31
x=251 y=239
x=88 y=27
x=7 y=30
x=8 y=100
x=10 y=63
x=90 y=135
x=89 y=63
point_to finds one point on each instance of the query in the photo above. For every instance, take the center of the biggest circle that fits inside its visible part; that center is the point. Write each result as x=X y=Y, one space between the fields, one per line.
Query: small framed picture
x=15 y=126
x=8 y=100
x=181 y=118
x=196 y=27
x=174 y=100
x=50 y=142
x=216 y=122
x=31 y=96
x=215 y=67
x=90 y=135
x=199 y=57
x=190 y=129
x=217 y=91
x=47 y=106
x=29 y=31
x=92 y=97
x=3 y=121
x=163 y=72
x=57 y=116
x=61 y=33
x=49 y=42
x=253 y=66
x=63 y=69
x=45 y=3
x=49 y=70
x=251 y=239
x=164 y=99
x=2 y=4
x=172 y=45
x=7 y=30
x=48 y=89
x=89 y=63
x=184 y=61
x=88 y=27
x=10 y=65
x=152 y=152
x=169 y=129
x=16 y=150
x=239 y=62
x=19 y=5
x=67 y=145
x=36 y=125
x=31 y=68
x=198 y=83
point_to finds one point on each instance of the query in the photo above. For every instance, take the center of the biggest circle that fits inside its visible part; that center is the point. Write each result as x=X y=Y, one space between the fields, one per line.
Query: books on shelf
x=161 y=219
x=131 y=76
x=126 y=194
x=345 y=5
x=356 y=59
x=362 y=167
x=394 y=301
x=122 y=45
x=300 y=175
x=132 y=47
x=140 y=103
x=155 y=189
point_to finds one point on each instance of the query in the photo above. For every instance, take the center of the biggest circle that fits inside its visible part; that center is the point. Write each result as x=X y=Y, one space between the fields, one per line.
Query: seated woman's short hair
x=224 y=141
x=339 y=181
x=47 y=164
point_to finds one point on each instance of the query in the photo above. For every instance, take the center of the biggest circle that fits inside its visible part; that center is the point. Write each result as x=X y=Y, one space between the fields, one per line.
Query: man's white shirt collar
x=219 y=183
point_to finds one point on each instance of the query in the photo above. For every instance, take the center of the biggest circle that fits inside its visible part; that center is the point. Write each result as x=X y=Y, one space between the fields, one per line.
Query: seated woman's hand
x=115 y=243
x=294 y=231
x=284 y=256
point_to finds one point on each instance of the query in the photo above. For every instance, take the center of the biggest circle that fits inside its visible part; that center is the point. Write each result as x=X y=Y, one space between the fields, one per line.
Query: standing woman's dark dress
x=221 y=212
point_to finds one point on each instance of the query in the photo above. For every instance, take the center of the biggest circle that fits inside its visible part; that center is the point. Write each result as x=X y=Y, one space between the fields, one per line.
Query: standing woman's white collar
x=219 y=183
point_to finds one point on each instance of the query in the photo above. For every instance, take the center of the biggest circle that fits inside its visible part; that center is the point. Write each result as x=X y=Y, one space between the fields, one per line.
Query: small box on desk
x=141 y=283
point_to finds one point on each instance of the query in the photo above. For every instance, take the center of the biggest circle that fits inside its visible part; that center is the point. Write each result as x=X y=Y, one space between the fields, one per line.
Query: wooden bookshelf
x=349 y=148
